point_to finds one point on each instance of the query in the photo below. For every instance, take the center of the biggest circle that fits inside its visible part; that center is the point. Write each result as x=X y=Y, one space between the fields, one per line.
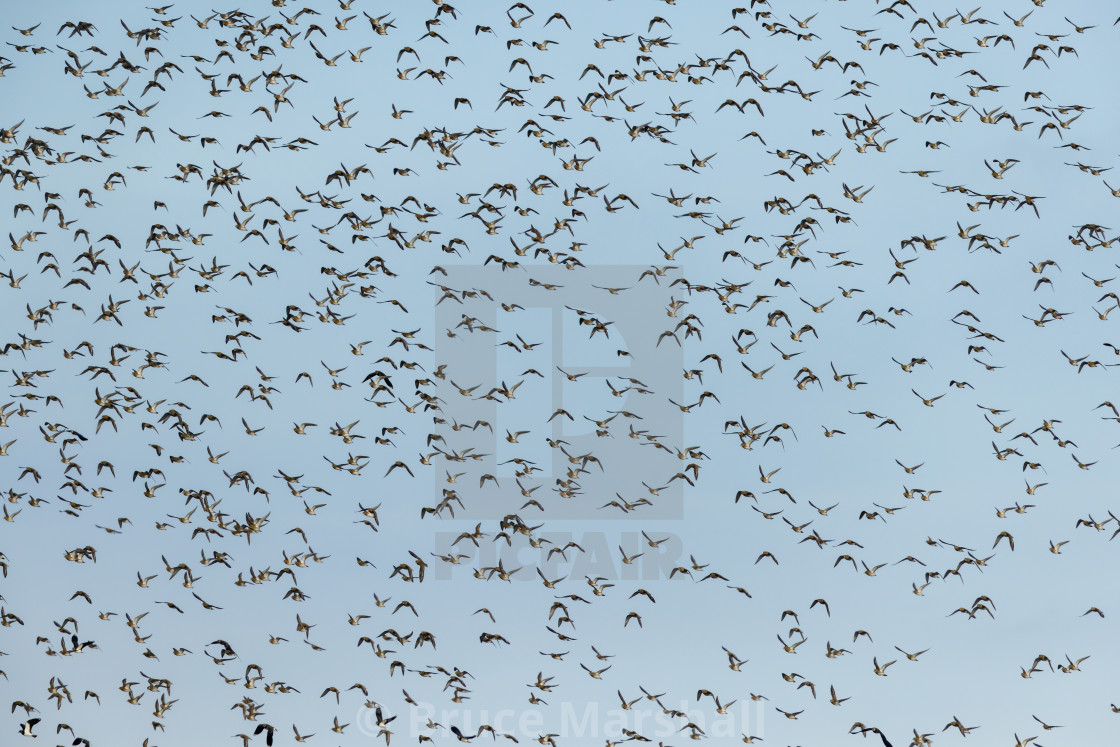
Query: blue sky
x=614 y=315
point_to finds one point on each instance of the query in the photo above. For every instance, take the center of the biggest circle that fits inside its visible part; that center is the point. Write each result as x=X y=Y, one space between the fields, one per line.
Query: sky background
x=973 y=665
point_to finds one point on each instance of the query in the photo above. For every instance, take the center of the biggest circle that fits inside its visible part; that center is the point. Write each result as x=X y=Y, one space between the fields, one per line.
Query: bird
x=26 y=727
x=881 y=670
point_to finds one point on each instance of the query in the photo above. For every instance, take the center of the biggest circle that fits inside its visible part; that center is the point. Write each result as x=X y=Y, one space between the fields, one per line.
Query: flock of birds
x=180 y=413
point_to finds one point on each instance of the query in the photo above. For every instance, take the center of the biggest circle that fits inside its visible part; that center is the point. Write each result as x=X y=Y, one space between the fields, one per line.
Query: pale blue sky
x=972 y=666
